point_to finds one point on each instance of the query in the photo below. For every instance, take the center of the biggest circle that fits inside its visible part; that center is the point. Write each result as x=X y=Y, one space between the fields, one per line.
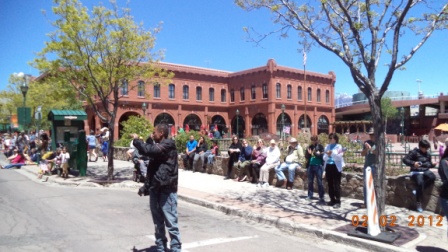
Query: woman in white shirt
x=334 y=161
x=272 y=160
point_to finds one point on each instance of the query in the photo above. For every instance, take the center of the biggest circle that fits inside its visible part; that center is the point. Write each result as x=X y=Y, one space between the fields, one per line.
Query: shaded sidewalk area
x=276 y=207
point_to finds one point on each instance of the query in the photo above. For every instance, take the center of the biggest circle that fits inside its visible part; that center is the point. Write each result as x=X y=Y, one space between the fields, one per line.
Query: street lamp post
x=402 y=125
x=38 y=117
x=237 y=123
x=144 y=107
x=282 y=134
x=23 y=113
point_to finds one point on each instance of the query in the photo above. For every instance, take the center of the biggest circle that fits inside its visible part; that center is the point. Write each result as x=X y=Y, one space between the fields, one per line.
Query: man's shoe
x=337 y=205
x=321 y=201
x=331 y=203
x=419 y=207
x=308 y=199
x=265 y=185
x=226 y=178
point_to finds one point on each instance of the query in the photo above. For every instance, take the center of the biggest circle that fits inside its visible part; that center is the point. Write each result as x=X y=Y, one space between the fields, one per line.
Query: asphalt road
x=38 y=216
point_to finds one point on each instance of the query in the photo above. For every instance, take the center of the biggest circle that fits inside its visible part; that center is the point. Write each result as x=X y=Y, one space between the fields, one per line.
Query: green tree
x=387 y=110
x=360 y=33
x=96 y=53
x=137 y=125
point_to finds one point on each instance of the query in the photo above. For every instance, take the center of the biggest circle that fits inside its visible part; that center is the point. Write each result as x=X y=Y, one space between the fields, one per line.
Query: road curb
x=293 y=227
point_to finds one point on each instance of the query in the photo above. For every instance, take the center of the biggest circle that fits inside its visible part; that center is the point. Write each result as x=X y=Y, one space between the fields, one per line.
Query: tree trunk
x=380 y=179
x=110 y=155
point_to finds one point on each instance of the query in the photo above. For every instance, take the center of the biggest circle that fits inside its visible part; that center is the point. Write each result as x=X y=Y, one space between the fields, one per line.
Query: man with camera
x=161 y=185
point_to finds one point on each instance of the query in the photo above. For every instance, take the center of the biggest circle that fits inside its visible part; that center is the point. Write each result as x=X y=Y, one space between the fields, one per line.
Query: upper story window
x=327 y=96
x=242 y=94
x=199 y=93
x=232 y=95
x=278 y=90
x=171 y=91
x=299 y=93
x=211 y=94
x=156 y=90
x=253 y=94
x=289 y=92
x=185 y=91
x=264 y=89
x=223 y=95
x=310 y=94
x=124 y=87
x=141 y=89
x=318 y=95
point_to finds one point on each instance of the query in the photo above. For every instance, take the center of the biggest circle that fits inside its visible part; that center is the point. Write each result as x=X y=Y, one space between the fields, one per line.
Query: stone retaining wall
x=399 y=188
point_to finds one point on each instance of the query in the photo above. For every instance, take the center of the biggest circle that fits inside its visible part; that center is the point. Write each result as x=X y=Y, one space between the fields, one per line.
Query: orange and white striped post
x=373 y=227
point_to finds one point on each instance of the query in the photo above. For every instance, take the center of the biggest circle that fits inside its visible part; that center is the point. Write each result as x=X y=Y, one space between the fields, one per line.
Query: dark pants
x=188 y=160
x=233 y=157
x=254 y=170
x=315 y=170
x=334 y=183
x=423 y=181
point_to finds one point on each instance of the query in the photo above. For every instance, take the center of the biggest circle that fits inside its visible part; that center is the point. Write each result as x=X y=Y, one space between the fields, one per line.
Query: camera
x=419 y=163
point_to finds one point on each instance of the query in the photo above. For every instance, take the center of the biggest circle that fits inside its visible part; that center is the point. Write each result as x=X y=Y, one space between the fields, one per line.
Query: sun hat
x=293 y=140
x=272 y=141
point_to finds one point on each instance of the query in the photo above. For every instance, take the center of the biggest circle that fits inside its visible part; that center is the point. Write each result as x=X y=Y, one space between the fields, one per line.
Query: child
x=65 y=156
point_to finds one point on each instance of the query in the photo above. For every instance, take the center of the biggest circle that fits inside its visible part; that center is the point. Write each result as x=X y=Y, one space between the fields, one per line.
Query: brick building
x=249 y=102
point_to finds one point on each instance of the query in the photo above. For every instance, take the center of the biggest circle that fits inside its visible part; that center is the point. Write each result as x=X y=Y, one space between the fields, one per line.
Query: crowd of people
x=254 y=163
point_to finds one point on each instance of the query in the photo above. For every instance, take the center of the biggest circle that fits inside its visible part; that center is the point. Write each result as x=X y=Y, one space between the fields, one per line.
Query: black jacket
x=203 y=147
x=416 y=155
x=443 y=172
x=163 y=168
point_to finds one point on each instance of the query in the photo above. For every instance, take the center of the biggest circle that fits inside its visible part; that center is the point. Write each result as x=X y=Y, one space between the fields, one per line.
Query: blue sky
x=210 y=34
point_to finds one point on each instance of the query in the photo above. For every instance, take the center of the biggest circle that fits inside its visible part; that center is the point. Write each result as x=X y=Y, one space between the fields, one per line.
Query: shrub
x=137 y=125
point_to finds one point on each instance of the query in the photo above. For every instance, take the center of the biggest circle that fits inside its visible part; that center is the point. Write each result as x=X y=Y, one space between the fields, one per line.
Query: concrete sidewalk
x=280 y=208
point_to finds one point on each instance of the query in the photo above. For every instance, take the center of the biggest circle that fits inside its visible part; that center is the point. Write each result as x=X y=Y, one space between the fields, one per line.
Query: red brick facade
x=258 y=95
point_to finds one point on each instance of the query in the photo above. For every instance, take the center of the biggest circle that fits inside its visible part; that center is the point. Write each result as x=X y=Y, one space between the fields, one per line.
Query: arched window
x=124 y=87
x=265 y=90
x=243 y=96
x=310 y=95
x=199 y=93
x=322 y=125
x=318 y=95
x=223 y=95
x=278 y=90
x=185 y=91
x=299 y=93
x=141 y=89
x=211 y=94
x=171 y=91
x=327 y=97
x=289 y=92
x=156 y=90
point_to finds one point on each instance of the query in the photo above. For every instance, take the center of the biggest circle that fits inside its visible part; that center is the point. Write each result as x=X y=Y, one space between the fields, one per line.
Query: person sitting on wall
x=199 y=155
x=190 y=150
x=17 y=161
x=294 y=159
x=419 y=160
x=244 y=161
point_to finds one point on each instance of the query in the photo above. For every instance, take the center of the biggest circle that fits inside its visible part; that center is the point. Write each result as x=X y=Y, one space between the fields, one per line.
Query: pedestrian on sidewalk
x=334 y=162
x=91 y=142
x=369 y=151
x=419 y=161
x=314 y=156
x=162 y=185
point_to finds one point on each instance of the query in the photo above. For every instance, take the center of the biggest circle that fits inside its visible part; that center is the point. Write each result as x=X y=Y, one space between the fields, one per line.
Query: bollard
x=81 y=153
x=372 y=211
